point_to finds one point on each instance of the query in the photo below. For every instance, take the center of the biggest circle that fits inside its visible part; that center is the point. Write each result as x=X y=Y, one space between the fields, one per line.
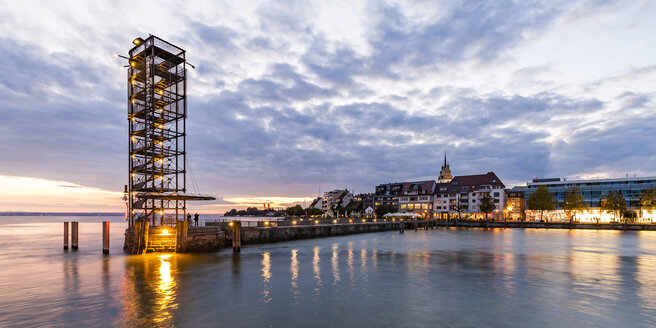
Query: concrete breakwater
x=206 y=239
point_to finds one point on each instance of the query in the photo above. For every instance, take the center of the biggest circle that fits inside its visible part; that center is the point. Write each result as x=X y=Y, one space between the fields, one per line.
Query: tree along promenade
x=545 y=225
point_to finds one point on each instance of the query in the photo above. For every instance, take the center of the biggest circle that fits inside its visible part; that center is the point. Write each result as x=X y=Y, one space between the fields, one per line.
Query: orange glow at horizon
x=26 y=194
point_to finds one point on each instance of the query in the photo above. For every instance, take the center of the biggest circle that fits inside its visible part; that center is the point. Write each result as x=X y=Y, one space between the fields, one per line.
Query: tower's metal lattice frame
x=157 y=110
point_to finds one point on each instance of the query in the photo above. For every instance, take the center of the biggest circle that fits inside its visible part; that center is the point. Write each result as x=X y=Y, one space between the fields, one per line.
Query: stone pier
x=207 y=239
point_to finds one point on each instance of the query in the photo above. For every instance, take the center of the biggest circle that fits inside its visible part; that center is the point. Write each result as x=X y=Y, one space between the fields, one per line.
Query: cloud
x=279 y=106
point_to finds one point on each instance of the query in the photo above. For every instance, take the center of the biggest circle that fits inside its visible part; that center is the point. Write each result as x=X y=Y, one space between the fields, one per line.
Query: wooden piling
x=65 y=235
x=135 y=237
x=401 y=226
x=74 y=233
x=105 y=233
x=146 y=229
x=236 y=236
x=181 y=237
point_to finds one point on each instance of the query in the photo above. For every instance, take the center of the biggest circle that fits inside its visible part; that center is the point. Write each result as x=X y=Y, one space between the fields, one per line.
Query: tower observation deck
x=157 y=110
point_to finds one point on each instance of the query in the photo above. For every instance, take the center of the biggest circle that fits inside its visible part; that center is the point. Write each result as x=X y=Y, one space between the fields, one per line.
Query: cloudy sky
x=290 y=98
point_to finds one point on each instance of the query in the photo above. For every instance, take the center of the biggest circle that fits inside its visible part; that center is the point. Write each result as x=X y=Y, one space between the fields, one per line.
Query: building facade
x=417 y=197
x=332 y=200
x=515 y=204
x=594 y=193
x=388 y=194
x=462 y=197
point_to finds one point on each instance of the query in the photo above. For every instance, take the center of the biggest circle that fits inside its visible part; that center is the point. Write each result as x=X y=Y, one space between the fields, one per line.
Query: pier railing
x=295 y=221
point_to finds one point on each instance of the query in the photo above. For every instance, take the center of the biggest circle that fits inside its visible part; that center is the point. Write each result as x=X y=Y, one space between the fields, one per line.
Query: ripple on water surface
x=442 y=277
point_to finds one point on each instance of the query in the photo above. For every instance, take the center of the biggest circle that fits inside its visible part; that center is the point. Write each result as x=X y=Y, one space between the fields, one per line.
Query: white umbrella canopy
x=414 y=215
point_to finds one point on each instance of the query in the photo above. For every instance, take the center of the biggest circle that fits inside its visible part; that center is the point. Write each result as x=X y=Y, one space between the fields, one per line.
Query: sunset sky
x=292 y=98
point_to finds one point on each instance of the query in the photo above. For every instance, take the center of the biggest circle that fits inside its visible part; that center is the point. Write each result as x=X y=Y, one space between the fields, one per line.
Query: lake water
x=428 y=278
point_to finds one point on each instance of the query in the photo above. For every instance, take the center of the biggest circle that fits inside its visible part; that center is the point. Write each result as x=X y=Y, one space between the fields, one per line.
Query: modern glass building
x=594 y=191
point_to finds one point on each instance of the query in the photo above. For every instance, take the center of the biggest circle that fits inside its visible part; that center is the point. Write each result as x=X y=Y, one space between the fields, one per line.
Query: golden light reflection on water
x=293 y=268
x=646 y=281
x=335 y=263
x=165 y=289
x=317 y=270
x=151 y=290
x=349 y=261
x=266 y=277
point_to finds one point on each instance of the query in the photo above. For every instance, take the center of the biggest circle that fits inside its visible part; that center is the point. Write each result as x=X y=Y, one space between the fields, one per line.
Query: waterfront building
x=515 y=204
x=336 y=198
x=388 y=194
x=594 y=192
x=417 y=197
x=462 y=196
x=317 y=203
x=366 y=198
x=354 y=208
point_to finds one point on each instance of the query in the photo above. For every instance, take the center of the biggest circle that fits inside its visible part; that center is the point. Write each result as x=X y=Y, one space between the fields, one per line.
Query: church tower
x=445 y=172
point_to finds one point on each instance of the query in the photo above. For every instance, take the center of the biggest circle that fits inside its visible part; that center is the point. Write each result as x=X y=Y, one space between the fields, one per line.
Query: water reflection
x=266 y=277
x=350 y=259
x=317 y=270
x=293 y=268
x=646 y=280
x=449 y=277
x=150 y=292
x=335 y=263
x=165 y=290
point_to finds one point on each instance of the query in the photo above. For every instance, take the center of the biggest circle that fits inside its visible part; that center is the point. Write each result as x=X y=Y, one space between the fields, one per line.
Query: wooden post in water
x=146 y=229
x=74 y=231
x=66 y=235
x=135 y=237
x=236 y=236
x=105 y=237
x=401 y=226
x=181 y=237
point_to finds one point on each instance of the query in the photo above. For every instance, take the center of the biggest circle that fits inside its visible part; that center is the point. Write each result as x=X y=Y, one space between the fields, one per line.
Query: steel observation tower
x=157 y=111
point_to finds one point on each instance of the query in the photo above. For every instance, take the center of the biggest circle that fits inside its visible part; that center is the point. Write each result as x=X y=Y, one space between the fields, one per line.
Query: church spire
x=445 y=172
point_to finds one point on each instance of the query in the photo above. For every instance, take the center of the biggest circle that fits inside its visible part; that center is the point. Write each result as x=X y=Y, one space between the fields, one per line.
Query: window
x=496 y=194
x=496 y=200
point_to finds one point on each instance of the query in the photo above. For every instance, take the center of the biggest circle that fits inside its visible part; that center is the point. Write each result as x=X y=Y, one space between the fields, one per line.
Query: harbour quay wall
x=206 y=239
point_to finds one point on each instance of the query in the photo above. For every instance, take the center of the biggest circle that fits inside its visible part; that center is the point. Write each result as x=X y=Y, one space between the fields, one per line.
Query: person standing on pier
x=189 y=219
x=196 y=218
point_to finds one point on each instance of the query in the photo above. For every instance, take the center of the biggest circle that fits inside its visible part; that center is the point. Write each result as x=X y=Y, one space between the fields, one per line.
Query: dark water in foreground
x=434 y=278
